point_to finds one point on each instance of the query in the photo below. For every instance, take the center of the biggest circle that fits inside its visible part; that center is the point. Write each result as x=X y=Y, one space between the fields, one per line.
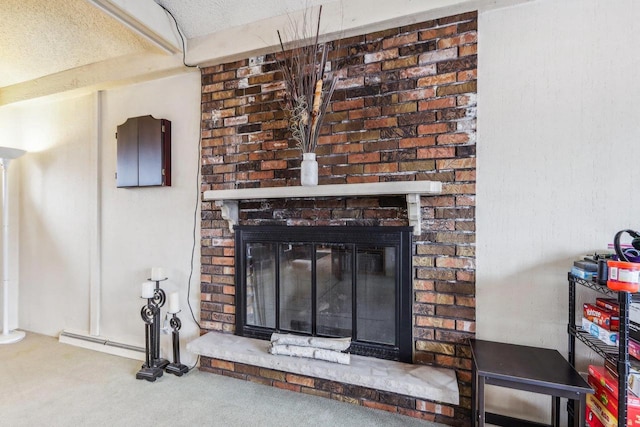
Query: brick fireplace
x=405 y=110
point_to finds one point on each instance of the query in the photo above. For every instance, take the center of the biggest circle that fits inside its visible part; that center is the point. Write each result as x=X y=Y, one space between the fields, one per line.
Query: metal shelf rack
x=620 y=354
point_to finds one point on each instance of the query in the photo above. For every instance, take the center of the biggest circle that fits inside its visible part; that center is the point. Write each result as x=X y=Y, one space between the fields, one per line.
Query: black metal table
x=533 y=369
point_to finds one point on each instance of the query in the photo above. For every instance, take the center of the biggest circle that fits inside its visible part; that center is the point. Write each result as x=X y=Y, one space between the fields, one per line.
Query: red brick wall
x=404 y=111
x=349 y=393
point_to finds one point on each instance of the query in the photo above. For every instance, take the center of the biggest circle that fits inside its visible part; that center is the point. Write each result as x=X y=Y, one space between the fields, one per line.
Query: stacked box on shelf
x=582 y=274
x=585 y=269
x=591 y=419
x=601 y=413
x=634 y=374
x=634 y=321
x=610 y=304
x=604 y=402
x=634 y=349
x=607 y=337
x=601 y=316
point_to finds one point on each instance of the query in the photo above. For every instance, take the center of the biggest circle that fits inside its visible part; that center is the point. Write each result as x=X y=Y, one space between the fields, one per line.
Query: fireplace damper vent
x=327 y=281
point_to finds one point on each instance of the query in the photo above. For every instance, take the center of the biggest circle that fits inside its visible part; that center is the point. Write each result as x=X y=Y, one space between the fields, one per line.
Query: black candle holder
x=159 y=298
x=176 y=367
x=148 y=371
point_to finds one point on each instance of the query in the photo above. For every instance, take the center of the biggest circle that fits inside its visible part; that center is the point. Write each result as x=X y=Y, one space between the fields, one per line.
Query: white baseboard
x=101 y=344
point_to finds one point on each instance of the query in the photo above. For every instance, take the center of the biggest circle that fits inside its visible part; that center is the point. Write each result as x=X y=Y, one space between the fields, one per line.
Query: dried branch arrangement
x=309 y=85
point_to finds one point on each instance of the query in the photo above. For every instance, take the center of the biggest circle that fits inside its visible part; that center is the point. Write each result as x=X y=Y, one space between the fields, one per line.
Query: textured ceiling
x=40 y=37
x=43 y=37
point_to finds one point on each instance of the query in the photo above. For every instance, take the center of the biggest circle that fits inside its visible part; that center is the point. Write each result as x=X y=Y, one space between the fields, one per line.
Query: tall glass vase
x=309 y=170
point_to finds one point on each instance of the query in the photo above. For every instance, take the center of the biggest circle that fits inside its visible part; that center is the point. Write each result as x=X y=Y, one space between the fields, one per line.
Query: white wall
x=54 y=223
x=145 y=227
x=53 y=211
x=140 y=227
x=558 y=150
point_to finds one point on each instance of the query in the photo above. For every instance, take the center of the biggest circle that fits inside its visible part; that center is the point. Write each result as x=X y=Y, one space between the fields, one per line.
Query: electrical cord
x=184 y=50
x=193 y=246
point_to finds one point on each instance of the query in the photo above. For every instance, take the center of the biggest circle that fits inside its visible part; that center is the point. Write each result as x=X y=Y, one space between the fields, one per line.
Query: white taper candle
x=147 y=289
x=157 y=273
x=174 y=302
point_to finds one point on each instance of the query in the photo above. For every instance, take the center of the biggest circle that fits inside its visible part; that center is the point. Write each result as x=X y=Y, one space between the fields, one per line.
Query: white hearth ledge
x=419 y=381
x=227 y=200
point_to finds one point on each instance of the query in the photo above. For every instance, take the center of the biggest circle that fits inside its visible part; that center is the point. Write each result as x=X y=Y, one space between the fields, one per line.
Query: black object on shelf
x=620 y=354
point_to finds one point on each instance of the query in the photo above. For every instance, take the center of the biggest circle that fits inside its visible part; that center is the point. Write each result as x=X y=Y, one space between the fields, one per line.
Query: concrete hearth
x=420 y=381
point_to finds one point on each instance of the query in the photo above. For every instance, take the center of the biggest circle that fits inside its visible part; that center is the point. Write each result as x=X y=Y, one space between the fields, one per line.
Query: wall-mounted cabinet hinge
x=116 y=177
x=162 y=128
x=162 y=172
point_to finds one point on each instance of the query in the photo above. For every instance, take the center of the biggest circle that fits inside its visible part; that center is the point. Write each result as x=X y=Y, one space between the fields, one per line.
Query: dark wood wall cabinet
x=144 y=152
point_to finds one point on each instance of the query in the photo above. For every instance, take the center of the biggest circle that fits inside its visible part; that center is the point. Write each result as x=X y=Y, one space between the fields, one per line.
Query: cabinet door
x=127 y=157
x=149 y=151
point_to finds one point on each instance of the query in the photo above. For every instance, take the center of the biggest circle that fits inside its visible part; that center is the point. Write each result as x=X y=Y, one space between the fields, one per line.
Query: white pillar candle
x=174 y=302
x=157 y=273
x=148 y=289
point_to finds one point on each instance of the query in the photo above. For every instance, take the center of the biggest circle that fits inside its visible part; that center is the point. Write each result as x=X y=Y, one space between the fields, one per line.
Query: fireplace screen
x=327 y=281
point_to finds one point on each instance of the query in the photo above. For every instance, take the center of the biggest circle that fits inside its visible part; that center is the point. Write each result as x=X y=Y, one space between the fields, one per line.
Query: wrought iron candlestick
x=159 y=299
x=176 y=367
x=148 y=371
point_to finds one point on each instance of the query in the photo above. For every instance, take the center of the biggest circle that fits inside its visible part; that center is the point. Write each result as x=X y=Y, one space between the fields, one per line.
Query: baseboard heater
x=102 y=344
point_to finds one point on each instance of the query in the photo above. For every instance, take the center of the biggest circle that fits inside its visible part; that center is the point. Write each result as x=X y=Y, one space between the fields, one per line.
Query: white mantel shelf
x=227 y=200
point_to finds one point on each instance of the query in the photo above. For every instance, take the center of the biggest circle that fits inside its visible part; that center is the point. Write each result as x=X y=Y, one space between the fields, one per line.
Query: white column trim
x=95 y=232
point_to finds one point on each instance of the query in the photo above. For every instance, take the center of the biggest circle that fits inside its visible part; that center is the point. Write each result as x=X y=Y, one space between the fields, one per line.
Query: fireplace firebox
x=329 y=282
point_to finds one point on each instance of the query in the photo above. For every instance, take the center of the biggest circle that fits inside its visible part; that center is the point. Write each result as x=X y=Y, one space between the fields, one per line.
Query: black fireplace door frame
x=398 y=237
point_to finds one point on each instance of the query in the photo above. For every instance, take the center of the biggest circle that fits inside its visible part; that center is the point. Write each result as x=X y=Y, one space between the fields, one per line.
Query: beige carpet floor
x=46 y=383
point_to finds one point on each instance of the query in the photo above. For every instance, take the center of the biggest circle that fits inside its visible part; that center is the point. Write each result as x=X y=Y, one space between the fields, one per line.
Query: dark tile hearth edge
x=405 y=110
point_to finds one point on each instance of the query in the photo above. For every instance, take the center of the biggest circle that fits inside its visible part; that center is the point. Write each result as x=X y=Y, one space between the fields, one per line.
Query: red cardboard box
x=603 y=378
x=609 y=304
x=602 y=317
x=634 y=349
x=591 y=420
x=601 y=413
x=606 y=392
x=607 y=399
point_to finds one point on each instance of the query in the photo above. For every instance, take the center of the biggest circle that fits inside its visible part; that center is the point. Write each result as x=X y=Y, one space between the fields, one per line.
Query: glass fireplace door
x=327 y=281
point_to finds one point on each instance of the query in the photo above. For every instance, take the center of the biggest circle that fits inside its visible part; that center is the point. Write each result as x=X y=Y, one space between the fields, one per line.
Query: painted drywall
x=53 y=263
x=557 y=161
x=139 y=228
x=13 y=197
x=151 y=227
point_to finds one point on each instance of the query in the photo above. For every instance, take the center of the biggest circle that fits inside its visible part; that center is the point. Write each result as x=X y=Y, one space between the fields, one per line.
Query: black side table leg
x=481 y=401
x=583 y=408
